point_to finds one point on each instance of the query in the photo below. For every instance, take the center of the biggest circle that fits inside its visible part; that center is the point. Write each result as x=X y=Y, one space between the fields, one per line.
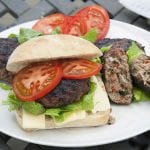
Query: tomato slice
x=95 y=17
x=75 y=26
x=36 y=80
x=48 y=23
x=80 y=68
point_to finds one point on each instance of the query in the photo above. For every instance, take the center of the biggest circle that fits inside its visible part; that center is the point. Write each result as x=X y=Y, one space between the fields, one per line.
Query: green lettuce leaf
x=33 y=108
x=56 y=30
x=87 y=100
x=140 y=95
x=12 y=36
x=85 y=103
x=62 y=116
x=12 y=101
x=5 y=86
x=105 y=48
x=91 y=35
x=133 y=52
x=97 y=60
x=27 y=34
x=53 y=112
x=73 y=107
x=59 y=114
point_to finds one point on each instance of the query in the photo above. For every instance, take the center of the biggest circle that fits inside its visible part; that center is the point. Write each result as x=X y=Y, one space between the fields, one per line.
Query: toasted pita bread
x=49 y=47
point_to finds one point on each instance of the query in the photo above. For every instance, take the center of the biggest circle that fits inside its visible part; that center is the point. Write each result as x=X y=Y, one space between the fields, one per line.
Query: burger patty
x=139 y=68
x=7 y=45
x=116 y=76
x=118 y=43
x=66 y=92
x=114 y=43
x=140 y=72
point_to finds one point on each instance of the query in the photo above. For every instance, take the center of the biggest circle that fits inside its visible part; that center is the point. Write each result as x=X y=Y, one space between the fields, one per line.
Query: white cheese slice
x=74 y=116
x=32 y=121
x=101 y=101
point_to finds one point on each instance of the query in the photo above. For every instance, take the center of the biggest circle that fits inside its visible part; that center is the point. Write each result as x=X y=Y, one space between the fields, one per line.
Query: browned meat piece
x=67 y=92
x=140 y=72
x=117 y=43
x=114 y=43
x=116 y=75
x=7 y=45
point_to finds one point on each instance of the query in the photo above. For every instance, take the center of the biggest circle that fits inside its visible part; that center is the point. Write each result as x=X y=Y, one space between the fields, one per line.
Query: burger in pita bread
x=57 y=83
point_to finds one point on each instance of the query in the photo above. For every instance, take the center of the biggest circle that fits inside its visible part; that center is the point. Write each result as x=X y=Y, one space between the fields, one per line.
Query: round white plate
x=130 y=120
x=141 y=7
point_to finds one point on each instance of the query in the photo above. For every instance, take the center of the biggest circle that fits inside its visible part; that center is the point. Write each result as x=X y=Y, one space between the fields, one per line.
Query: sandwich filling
x=84 y=101
x=55 y=88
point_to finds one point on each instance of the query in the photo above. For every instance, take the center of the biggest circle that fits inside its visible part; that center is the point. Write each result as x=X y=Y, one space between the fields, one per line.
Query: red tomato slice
x=95 y=17
x=48 y=23
x=75 y=26
x=36 y=80
x=80 y=68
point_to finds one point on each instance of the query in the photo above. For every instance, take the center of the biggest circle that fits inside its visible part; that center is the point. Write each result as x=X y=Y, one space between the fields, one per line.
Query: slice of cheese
x=74 y=116
x=32 y=121
x=101 y=101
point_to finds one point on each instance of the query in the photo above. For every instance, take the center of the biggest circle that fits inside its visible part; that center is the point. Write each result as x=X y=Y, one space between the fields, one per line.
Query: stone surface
x=19 y=145
x=4 y=137
x=142 y=22
x=2 y=8
x=113 y=6
x=2 y=27
x=32 y=147
x=124 y=145
x=81 y=4
x=67 y=7
x=32 y=3
x=16 y=6
x=64 y=6
x=7 y=19
x=3 y=145
x=41 y=9
x=126 y=16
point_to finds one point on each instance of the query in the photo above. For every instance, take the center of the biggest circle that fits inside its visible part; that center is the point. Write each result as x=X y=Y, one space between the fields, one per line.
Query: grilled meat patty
x=66 y=92
x=139 y=68
x=140 y=71
x=7 y=45
x=116 y=76
x=114 y=43
x=117 y=43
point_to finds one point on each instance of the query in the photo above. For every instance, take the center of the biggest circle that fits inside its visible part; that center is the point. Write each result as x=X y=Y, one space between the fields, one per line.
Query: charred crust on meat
x=122 y=43
x=7 y=45
x=66 y=92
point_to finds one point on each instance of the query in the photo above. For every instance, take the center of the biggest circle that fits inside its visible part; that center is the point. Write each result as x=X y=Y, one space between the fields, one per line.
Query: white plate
x=130 y=120
x=141 y=7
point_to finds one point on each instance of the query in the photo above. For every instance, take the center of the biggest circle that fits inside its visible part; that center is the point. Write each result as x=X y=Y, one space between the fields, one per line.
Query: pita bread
x=49 y=47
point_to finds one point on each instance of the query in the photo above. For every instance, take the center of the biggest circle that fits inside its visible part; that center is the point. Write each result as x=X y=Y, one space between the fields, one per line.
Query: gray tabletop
x=13 y=12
